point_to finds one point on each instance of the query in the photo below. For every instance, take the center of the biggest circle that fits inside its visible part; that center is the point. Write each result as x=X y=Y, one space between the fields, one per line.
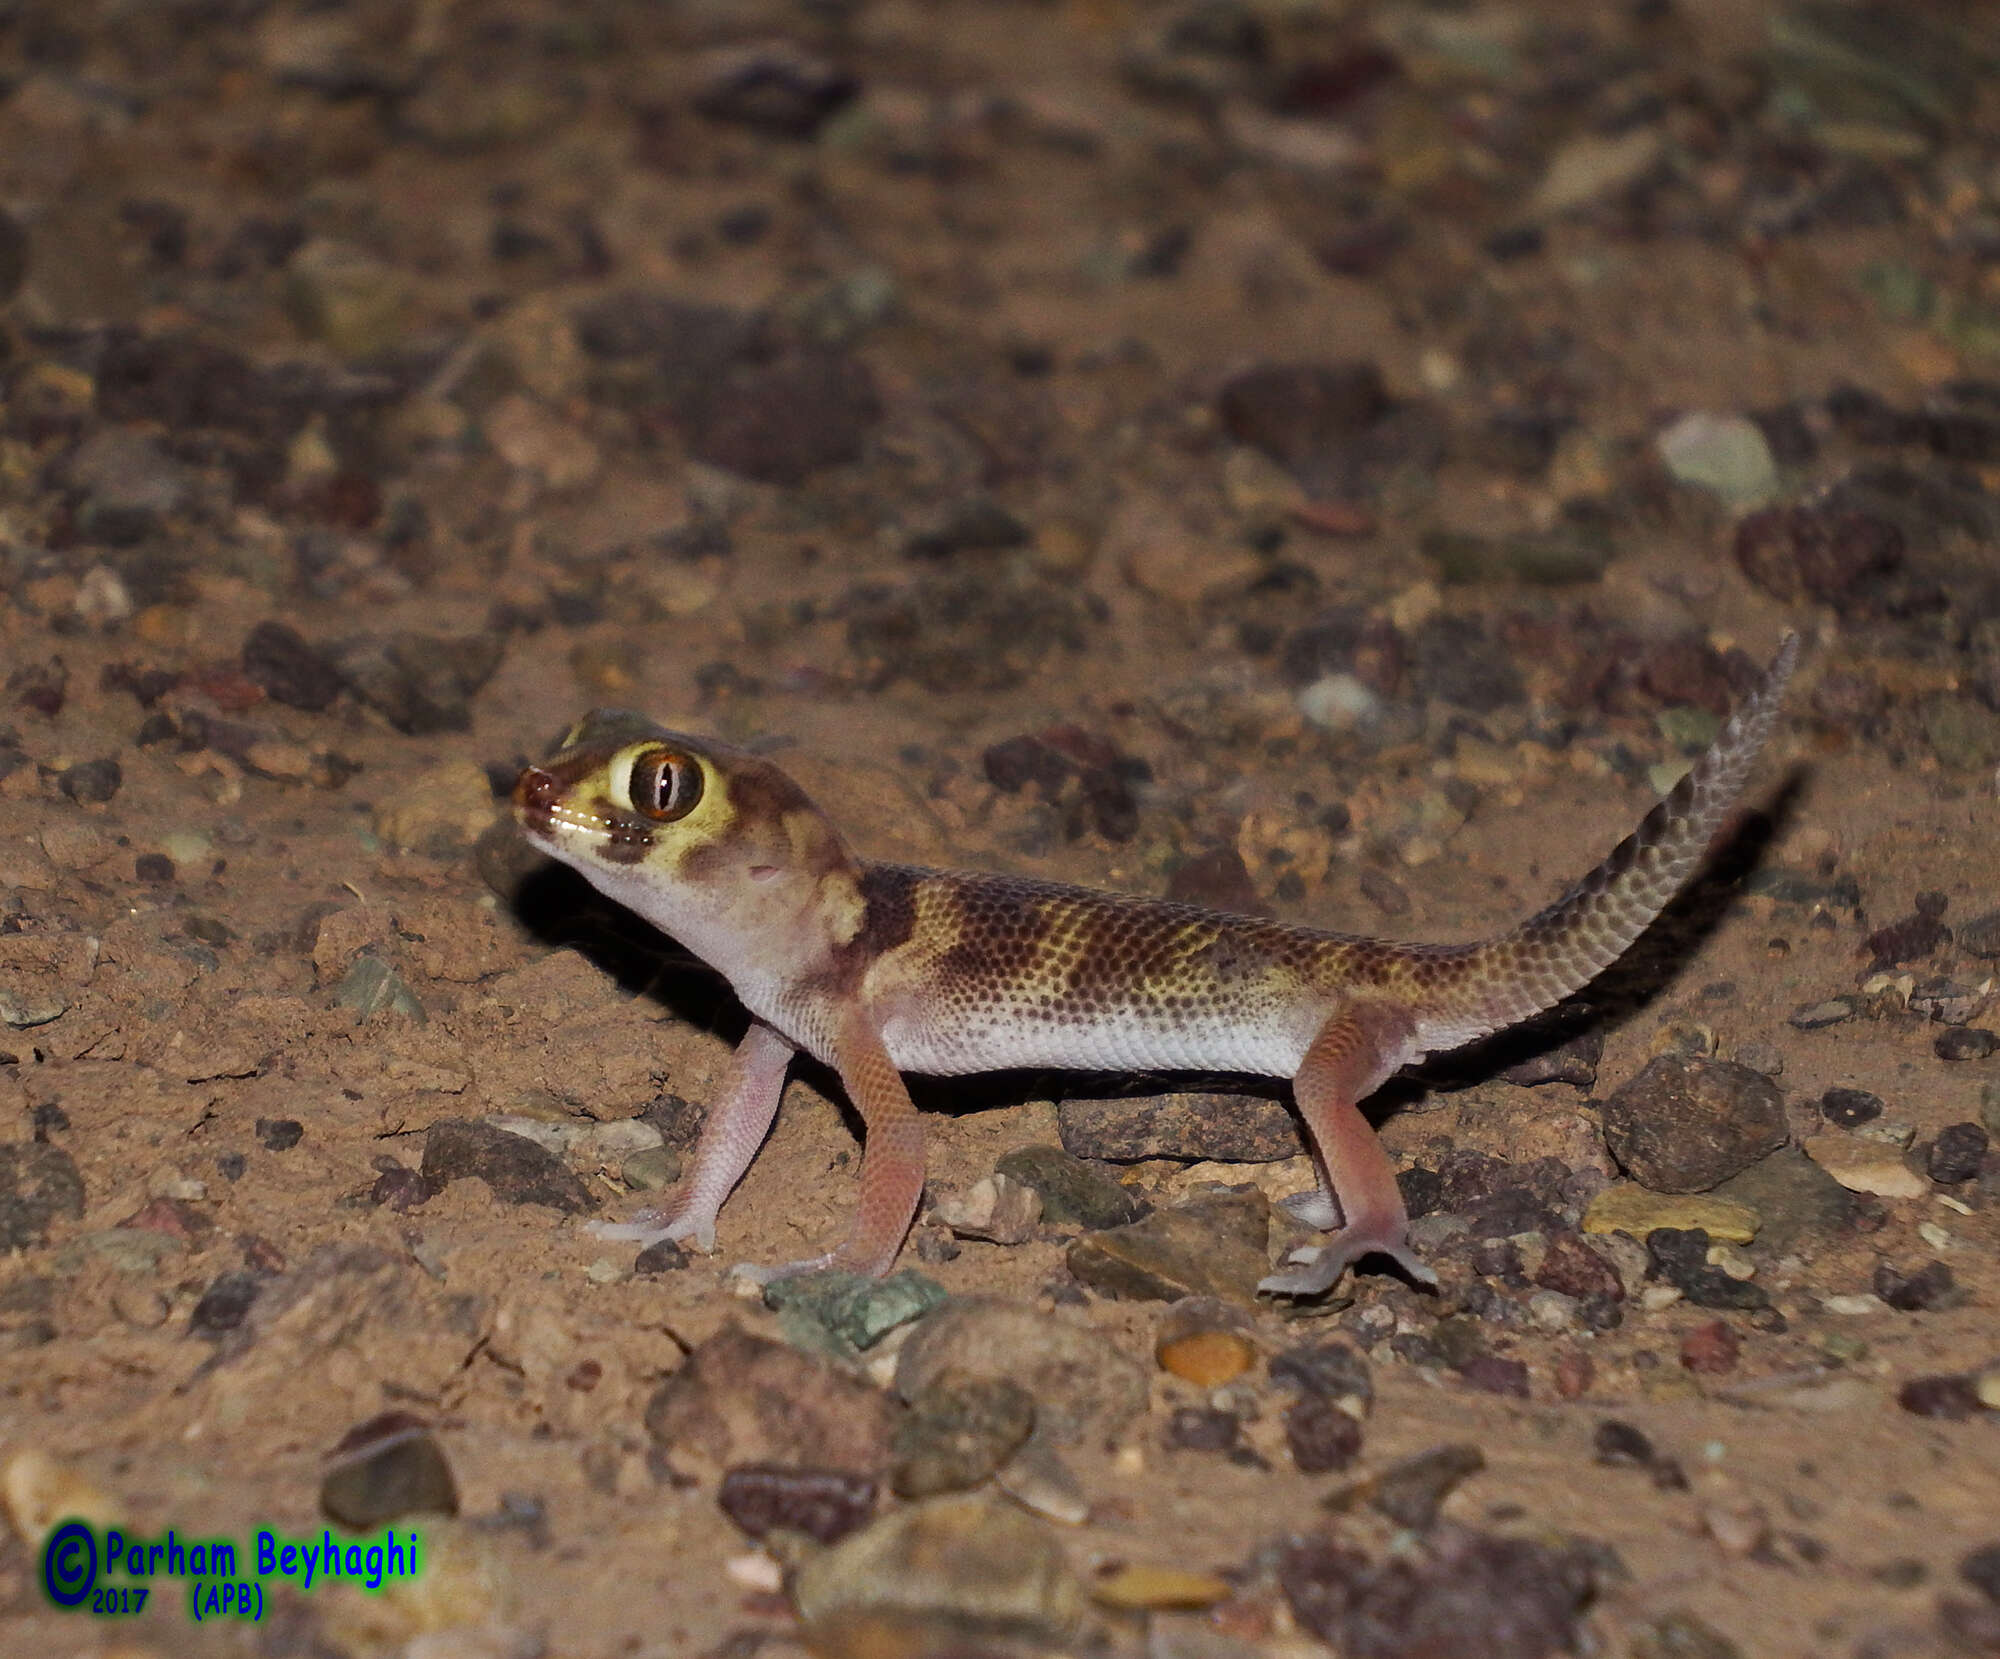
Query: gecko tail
x=1561 y=949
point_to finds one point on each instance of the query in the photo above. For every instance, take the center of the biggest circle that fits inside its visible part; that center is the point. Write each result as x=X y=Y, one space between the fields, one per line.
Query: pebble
x=1680 y=1257
x=514 y=1168
x=743 y=1399
x=1203 y=1429
x=419 y=683
x=1205 y=1341
x=1820 y=552
x=1211 y=1246
x=1137 y=1587
x=439 y=810
x=1296 y=412
x=996 y=1208
x=1862 y=1166
x=1081 y=1382
x=780 y=421
x=370 y=987
x=1322 y=1438
x=40 y=1490
x=1981 y=936
x=1815 y=1016
x=847 y=1313
x=1572 y=1268
x=1909 y=938
x=1458 y=1591
x=1930 y=1286
x=1726 y=455
x=91 y=782
x=958 y=1431
x=1792 y=1196
x=946 y=1564
x=1627 y=1208
x=384 y=1469
x=1953 y=1398
x=823 y=1504
x=1850 y=1108
x=1683 y=1125
x=1593 y=167
x=1710 y=1350
x=774 y=87
x=1332 y=1370
x=1968 y=1042
x=277 y=659
x=1413 y=1489
x=1958 y=1154
x=1197 y=1128
x=39 y=1183
x=26 y=1005
x=1070 y=1188
x=1963 y=733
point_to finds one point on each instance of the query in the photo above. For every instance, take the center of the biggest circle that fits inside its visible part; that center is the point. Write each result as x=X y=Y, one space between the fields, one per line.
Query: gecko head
x=675 y=826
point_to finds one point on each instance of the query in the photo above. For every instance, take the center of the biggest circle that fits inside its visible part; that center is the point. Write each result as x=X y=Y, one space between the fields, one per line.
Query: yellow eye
x=664 y=786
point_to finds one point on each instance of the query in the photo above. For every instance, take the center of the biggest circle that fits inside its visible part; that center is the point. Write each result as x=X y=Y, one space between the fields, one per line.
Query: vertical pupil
x=663 y=785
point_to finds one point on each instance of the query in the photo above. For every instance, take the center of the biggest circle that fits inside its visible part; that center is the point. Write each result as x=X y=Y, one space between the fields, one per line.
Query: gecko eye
x=664 y=786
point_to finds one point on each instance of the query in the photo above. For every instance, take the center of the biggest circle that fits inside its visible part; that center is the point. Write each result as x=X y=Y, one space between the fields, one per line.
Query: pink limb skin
x=1355 y=1052
x=736 y=1126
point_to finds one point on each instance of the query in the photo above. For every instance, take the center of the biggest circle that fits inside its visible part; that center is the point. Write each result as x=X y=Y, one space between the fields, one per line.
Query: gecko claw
x=650 y=1227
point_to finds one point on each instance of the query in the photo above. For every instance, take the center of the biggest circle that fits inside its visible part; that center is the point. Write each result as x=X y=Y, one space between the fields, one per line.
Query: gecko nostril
x=535 y=790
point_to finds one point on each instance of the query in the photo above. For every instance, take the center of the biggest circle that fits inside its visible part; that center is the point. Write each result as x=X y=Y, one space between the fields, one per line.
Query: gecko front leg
x=1356 y=1051
x=892 y=1156
x=735 y=1127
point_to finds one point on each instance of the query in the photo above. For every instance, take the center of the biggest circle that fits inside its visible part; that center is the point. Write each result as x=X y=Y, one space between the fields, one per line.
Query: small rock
x=1966 y=1042
x=1767 y=1059
x=1495 y=1374
x=1214 y=1246
x=740 y=1399
x=1593 y=167
x=1619 y=1444
x=824 y=1504
x=958 y=1431
x=996 y=1208
x=1815 y=1016
x=38 y=1183
x=1294 y=412
x=968 y=1565
x=1412 y=1490
x=845 y=1313
x=91 y=782
x=1322 y=1439
x=782 y=420
x=1725 y=455
x=1574 y=1062
x=441 y=810
x=1197 y=1128
x=1680 y=1257
x=512 y=1166
x=1931 y=1286
x=277 y=659
x=1573 y=1268
x=1821 y=552
x=1981 y=936
x=1792 y=1196
x=1865 y=1166
x=370 y=987
x=1332 y=1370
x=25 y=1005
x=1710 y=1350
x=1907 y=939
x=384 y=1469
x=1633 y=1210
x=1205 y=1341
x=1850 y=1108
x=1071 y=1189
x=1981 y=1569
x=1080 y=1381
x=1203 y=1429
x=1957 y=1154
x=419 y=683
x=529 y=437
x=1138 y=1588
x=1953 y=1398
x=1454 y=1592
x=1683 y=1125
x=226 y=1303
x=773 y=87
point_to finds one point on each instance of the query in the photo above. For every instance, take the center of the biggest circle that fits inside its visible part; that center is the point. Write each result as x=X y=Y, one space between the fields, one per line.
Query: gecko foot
x=649 y=1227
x=1323 y=1265
x=753 y=1274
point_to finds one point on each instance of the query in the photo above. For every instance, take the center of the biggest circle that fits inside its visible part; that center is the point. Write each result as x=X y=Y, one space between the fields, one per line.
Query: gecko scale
x=880 y=969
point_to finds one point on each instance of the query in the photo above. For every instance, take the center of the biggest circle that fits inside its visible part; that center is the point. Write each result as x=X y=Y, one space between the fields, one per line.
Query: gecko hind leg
x=1356 y=1051
x=892 y=1158
x=736 y=1126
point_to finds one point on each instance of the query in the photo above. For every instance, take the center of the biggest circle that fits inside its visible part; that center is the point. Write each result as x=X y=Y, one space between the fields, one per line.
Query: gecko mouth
x=542 y=809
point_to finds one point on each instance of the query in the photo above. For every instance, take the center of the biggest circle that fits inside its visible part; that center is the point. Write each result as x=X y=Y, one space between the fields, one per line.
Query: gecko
x=878 y=969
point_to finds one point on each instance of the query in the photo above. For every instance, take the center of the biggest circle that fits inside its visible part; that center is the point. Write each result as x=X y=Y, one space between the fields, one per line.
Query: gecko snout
x=535 y=793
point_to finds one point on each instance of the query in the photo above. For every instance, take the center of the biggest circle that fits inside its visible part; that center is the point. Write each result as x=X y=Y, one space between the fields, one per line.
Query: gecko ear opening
x=664 y=785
